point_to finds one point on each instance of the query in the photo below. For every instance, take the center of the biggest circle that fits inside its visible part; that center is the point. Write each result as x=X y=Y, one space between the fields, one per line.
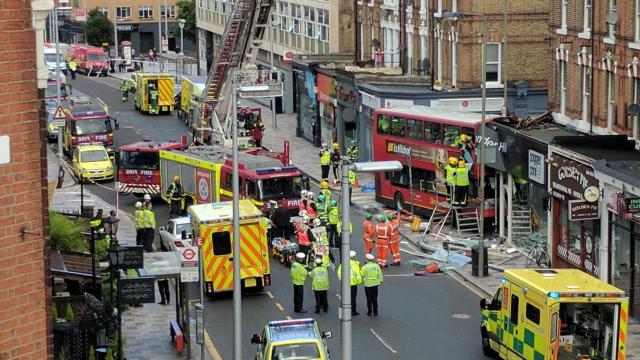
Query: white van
x=50 y=60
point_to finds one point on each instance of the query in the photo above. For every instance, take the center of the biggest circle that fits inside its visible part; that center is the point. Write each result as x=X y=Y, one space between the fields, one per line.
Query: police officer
x=353 y=151
x=352 y=182
x=139 y=223
x=462 y=184
x=355 y=279
x=371 y=278
x=175 y=193
x=73 y=67
x=335 y=161
x=298 y=278
x=320 y=285
x=124 y=88
x=150 y=227
x=325 y=161
x=333 y=219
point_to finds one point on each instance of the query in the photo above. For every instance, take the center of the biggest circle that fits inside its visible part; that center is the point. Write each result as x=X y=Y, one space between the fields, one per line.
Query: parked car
x=292 y=339
x=171 y=234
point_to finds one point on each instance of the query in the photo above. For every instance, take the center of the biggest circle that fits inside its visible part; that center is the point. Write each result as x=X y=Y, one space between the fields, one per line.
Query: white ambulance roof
x=223 y=211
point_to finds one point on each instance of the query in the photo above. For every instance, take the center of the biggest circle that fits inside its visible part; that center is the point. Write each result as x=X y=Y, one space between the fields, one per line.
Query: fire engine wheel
x=398 y=201
x=486 y=346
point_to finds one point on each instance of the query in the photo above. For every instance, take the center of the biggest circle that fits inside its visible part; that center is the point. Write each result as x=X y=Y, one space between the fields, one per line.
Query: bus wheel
x=399 y=201
x=486 y=346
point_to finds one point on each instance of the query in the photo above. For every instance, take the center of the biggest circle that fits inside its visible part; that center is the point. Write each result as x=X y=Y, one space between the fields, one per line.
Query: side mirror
x=483 y=304
x=255 y=339
x=327 y=334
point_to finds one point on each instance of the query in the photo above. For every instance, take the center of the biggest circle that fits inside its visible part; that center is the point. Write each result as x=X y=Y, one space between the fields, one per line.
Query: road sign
x=199 y=241
x=189 y=264
x=59 y=114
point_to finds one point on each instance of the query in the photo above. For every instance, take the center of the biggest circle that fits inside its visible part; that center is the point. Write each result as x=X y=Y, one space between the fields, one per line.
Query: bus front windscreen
x=139 y=160
x=279 y=188
x=92 y=126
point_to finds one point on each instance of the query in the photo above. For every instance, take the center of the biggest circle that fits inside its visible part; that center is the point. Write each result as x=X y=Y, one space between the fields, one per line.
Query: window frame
x=514 y=308
x=172 y=11
x=532 y=313
x=296 y=18
x=120 y=10
x=309 y=16
x=587 y=10
x=586 y=92
x=283 y=11
x=564 y=14
x=613 y=7
x=145 y=10
x=563 y=86
x=216 y=238
x=612 y=99
x=323 y=26
x=103 y=10
x=498 y=62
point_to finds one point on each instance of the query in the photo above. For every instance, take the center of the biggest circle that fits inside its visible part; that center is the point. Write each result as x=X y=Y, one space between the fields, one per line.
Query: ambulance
x=213 y=224
x=190 y=93
x=555 y=314
x=162 y=82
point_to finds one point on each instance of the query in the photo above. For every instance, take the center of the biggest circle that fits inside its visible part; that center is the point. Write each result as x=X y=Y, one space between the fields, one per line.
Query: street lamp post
x=452 y=15
x=237 y=292
x=345 y=296
x=115 y=28
x=274 y=121
x=181 y=23
x=116 y=257
x=57 y=40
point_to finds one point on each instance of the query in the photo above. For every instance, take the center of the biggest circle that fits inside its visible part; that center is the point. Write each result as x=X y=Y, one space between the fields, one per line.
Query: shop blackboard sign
x=632 y=205
x=139 y=290
x=133 y=257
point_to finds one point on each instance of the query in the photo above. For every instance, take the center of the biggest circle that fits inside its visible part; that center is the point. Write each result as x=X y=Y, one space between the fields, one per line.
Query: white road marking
x=400 y=275
x=383 y=342
x=289 y=317
x=279 y=307
x=464 y=283
x=269 y=294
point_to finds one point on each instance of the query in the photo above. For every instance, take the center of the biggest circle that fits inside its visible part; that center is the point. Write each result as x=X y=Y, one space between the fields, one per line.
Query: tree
x=186 y=11
x=99 y=28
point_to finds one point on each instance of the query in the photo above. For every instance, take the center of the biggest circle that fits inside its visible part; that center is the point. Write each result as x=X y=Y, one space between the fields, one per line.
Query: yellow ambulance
x=558 y=314
x=212 y=223
x=161 y=82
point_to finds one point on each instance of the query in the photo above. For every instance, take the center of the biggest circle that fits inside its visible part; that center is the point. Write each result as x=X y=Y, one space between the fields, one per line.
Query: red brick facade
x=612 y=62
x=24 y=309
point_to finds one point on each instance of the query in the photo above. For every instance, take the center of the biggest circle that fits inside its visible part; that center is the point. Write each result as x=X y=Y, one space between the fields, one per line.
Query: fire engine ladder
x=239 y=46
x=440 y=216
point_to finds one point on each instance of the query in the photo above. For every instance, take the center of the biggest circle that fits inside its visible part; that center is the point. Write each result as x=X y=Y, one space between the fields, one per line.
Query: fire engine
x=88 y=121
x=139 y=166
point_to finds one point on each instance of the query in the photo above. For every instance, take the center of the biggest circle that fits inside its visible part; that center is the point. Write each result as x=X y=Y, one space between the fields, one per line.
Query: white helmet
x=317 y=222
x=324 y=145
x=303 y=213
x=305 y=219
x=304 y=193
x=147 y=197
x=310 y=194
x=138 y=204
x=352 y=254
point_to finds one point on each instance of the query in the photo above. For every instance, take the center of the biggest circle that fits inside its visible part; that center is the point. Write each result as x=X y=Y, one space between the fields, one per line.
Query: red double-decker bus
x=431 y=136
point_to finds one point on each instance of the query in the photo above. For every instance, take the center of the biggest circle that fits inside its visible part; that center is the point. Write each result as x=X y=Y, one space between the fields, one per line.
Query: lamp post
x=115 y=28
x=181 y=23
x=274 y=122
x=345 y=296
x=60 y=128
x=452 y=15
x=116 y=258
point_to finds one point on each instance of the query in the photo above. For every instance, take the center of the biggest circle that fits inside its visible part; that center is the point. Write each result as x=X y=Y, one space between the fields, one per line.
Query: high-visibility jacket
x=368 y=229
x=450 y=172
x=303 y=237
x=323 y=209
x=395 y=227
x=462 y=176
x=139 y=219
x=319 y=278
x=175 y=191
x=339 y=227
x=383 y=231
x=150 y=219
x=327 y=195
x=371 y=274
x=309 y=209
x=298 y=274
x=334 y=216
x=73 y=65
x=325 y=157
x=352 y=177
x=153 y=94
x=354 y=273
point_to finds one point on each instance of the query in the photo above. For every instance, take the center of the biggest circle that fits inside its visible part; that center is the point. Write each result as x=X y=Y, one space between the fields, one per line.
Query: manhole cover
x=461 y=316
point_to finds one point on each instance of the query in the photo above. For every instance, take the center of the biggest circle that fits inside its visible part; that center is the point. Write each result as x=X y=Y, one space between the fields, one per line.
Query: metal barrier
x=176 y=66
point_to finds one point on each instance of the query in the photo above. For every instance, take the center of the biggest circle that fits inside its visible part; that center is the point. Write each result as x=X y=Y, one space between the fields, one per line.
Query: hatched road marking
x=289 y=317
x=279 y=307
x=382 y=341
x=269 y=294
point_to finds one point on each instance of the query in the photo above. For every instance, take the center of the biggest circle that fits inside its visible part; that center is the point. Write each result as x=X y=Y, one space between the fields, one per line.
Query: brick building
x=24 y=309
x=450 y=47
x=595 y=48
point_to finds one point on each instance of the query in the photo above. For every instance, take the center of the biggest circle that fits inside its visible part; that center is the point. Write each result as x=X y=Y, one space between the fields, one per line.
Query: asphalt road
x=432 y=317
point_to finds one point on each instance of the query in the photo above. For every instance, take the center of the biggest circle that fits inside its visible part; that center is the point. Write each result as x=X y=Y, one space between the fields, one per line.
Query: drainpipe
x=503 y=205
x=593 y=32
x=431 y=49
x=402 y=11
x=510 y=206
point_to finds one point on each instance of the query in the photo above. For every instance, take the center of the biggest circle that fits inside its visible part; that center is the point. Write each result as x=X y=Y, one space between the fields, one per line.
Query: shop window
x=533 y=314
x=221 y=243
x=579 y=242
x=415 y=129
x=398 y=126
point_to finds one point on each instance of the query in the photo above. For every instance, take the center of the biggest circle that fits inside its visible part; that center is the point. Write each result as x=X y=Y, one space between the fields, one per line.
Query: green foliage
x=54 y=313
x=92 y=354
x=132 y=273
x=66 y=233
x=99 y=28
x=109 y=355
x=69 y=316
x=102 y=247
x=186 y=11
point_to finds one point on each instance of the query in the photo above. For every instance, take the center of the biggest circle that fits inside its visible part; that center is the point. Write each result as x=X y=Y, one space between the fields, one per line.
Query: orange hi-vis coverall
x=369 y=236
x=394 y=240
x=383 y=231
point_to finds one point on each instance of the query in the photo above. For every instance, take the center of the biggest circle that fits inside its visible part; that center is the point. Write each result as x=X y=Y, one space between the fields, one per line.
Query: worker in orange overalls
x=383 y=231
x=369 y=232
x=394 y=239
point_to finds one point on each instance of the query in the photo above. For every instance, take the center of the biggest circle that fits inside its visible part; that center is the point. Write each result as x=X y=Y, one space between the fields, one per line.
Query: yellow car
x=298 y=339
x=92 y=162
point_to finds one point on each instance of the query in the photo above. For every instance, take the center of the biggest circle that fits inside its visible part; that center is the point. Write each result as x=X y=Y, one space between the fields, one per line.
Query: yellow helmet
x=461 y=164
x=176 y=178
x=336 y=145
x=324 y=185
x=453 y=160
x=464 y=137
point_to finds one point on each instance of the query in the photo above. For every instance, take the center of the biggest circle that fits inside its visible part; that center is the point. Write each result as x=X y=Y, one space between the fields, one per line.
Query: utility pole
x=274 y=121
x=345 y=296
x=115 y=28
x=237 y=291
x=481 y=258
x=166 y=22
x=504 y=50
x=357 y=50
x=60 y=128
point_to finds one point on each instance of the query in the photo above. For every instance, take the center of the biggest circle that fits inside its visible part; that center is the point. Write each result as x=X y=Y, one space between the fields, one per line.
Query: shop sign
x=582 y=210
x=127 y=27
x=467 y=104
x=570 y=178
x=389 y=103
x=417 y=152
x=326 y=89
x=536 y=167
x=370 y=101
x=345 y=95
x=632 y=205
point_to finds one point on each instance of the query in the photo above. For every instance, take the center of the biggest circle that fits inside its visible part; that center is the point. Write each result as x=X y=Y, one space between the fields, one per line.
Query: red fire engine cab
x=139 y=166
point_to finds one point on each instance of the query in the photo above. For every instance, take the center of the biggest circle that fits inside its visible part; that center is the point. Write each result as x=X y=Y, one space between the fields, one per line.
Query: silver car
x=171 y=234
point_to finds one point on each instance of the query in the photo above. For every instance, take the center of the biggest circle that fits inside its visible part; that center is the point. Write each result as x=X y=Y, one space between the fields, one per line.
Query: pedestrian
x=353 y=179
x=371 y=279
x=147 y=198
x=353 y=151
x=334 y=133
x=153 y=99
x=310 y=206
x=257 y=134
x=378 y=58
x=163 y=284
x=333 y=219
x=383 y=230
x=315 y=130
x=355 y=279
x=394 y=239
x=73 y=67
x=139 y=224
x=150 y=227
x=369 y=233
x=175 y=193
x=462 y=184
x=335 y=162
x=320 y=285
x=323 y=209
x=325 y=161
x=298 y=278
